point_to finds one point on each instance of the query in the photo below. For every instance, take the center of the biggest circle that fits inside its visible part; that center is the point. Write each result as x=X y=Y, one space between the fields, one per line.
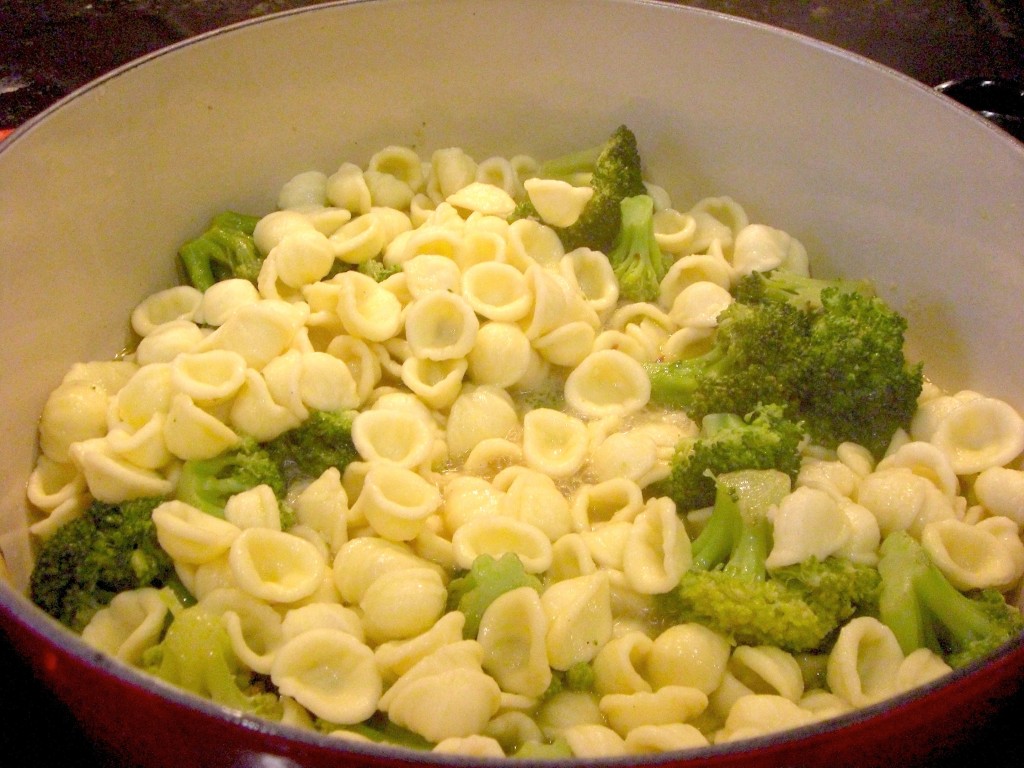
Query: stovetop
x=48 y=48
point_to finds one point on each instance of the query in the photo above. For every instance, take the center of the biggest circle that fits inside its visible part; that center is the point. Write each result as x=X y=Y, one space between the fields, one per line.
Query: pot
x=876 y=174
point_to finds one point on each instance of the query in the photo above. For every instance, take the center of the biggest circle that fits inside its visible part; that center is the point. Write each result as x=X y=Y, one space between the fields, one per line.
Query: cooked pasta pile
x=342 y=611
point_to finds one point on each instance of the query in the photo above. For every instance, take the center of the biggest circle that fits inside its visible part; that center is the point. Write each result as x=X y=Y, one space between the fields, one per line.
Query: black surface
x=50 y=47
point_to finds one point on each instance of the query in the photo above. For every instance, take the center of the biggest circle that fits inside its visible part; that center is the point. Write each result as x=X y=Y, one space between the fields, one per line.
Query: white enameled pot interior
x=877 y=175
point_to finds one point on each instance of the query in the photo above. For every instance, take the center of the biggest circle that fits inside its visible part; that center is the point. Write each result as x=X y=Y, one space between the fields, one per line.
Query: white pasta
x=975 y=556
x=591 y=740
x=657 y=551
x=179 y=303
x=512 y=634
x=398 y=437
x=436 y=382
x=620 y=665
x=479 y=413
x=497 y=534
x=502 y=355
x=259 y=332
x=579 y=618
x=111 y=478
x=554 y=442
x=758 y=714
x=396 y=657
x=129 y=625
x=607 y=382
x=689 y=655
x=980 y=434
x=665 y=737
x=1001 y=491
x=275 y=566
x=329 y=672
x=440 y=325
x=558 y=203
x=863 y=664
x=194 y=433
x=669 y=704
x=190 y=536
x=699 y=304
x=396 y=501
x=759 y=248
x=401 y=604
x=368 y=310
x=808 y=523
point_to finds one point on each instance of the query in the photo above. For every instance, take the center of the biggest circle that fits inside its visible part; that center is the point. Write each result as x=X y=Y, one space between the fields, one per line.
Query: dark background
x=48 y=48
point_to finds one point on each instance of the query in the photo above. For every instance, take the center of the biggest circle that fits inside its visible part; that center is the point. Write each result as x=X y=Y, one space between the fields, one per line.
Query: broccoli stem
x=635 y=257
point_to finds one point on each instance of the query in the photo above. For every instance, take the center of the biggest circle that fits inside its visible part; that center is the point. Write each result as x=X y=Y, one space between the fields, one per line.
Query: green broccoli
x=377 y=269
x=378 y=729
x=207 y=484
x=921 y=607
x=728 y=587
x=635 y=257
x=225 y=250
x=763 y=439
x=196 y=655
x=109 y=548
x=753 y=360
x=322 y=441
x=615 y=174
x=487 y=579
x=854 y=383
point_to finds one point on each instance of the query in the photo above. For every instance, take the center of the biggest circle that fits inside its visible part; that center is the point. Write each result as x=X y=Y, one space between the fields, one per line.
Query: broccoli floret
x=322 y=441
x=196 y=655
x=763 y=439
x=615 y=174
x=225 y=250
x=487 y=579
x=855 y=383
x=378 y=270
x=207 y=484
x=378 y=729
x=753 y=360
x=728 y=587
x=924 y=610
x=108 y=549
x=635 y=257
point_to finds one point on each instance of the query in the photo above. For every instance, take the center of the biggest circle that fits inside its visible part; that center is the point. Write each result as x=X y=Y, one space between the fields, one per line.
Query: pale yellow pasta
x=146 y=393
x=346 y=188
x=689 y=655
x=445 y=694
x=479 y=413
x=52 y=484
x=181 y=302
x=975 y=556
x=190 y=536
x=512 y=729
x=550 y=306
x=208 y=378
x=620 y=666
x=429 y=272
x=436 y=382
x=253 y=627
x=399 y=437
x=864 y=662
x=766 y=669
x=1001 y=491
x=396 y=501
x=303 y=191
x=926 y=460
x=980 y=434
x=669 y=704
x=592 y=740
x=532 y=244
x=368 y=311
x=699 y=304
x=492 y=455
x=497 y=534
x=255 y=507
x=533 y=497
x=451 y=169
x=664 y=737
x=570 y=557
x=402 y=604
x=616 y=499
x=129 y=625
x=830 y=476
x=321 y=616
x=194 y=433
x=512 y=634
x=275 y=226
x=865 y=535
x=255 y=412
x=401 y=162
x=167 y=341
x=73 y=412
x=427 y=239
x=718 y=218
x=396 y=657
x=607 y=382
x=631 y=455
x=607 y=544
x=482 y=198
x=591 y=273
x=690 y=270
x=331 y=673
x=386 y=190
x=568 y=345
x=111 y=478
x=567 y=710
x=557 y=202
x=143 y=447
x=440 y=325
x=554 y=442
x=259 y=332
x=760 y=248
x=358 y=240
x=902 y=500
x=363 y=365
x=360 y=561
x=759 y=714
x=579 y=619
x=475 y=745
x=807 y=523
x=657 y=551
x=502 y=355
x=275 y=566
x=467 y=497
